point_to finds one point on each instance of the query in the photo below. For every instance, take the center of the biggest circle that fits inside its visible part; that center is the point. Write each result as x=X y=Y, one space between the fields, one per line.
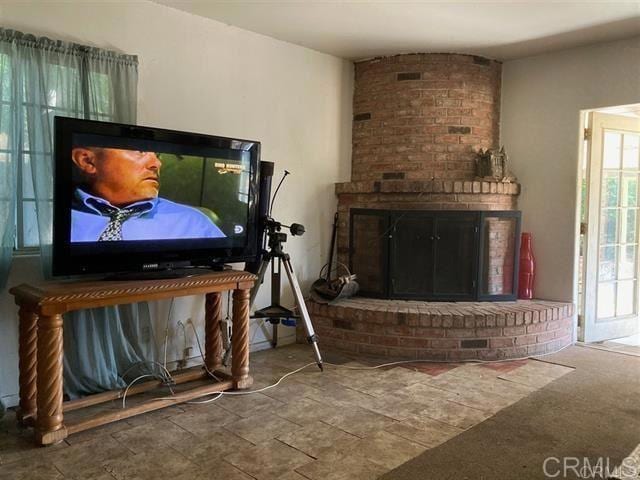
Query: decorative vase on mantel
x=527 y=268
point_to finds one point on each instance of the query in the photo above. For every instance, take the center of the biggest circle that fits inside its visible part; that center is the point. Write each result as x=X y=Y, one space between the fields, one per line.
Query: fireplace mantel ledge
x=428 y=186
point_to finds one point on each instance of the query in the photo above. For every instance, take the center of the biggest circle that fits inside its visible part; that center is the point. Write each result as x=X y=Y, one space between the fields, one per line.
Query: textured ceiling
x=363 y=29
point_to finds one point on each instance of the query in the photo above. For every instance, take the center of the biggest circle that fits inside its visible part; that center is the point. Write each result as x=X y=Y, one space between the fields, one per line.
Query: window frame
x=83 y=73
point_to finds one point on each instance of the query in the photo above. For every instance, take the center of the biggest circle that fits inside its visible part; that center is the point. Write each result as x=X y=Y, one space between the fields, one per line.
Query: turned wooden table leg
x=213 y=335
x=49 y=427
x=240 y=340
x=28 y=338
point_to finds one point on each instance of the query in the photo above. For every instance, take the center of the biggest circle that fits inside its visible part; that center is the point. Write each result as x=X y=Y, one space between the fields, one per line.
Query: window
x=67 y=94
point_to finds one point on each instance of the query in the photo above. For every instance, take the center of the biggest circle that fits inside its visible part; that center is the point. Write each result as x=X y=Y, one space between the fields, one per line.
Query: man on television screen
x=118 y=200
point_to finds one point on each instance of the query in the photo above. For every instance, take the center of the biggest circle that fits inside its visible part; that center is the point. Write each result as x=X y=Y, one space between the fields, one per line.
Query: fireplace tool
x=326 y=288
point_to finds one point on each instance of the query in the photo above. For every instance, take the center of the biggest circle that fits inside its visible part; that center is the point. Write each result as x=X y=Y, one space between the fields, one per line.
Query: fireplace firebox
x=435 y=255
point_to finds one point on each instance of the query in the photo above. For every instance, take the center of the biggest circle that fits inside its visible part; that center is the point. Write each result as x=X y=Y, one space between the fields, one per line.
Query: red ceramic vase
x=527 y=268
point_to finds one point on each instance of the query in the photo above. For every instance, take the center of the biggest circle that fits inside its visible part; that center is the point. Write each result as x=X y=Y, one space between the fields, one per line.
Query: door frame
x=588 y=328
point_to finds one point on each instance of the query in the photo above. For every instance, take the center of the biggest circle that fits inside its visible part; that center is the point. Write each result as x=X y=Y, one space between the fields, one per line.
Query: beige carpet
x=592 y=413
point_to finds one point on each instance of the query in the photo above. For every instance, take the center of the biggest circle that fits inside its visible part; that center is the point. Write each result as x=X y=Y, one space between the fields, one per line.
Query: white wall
x=542 y=98
x=204 y=76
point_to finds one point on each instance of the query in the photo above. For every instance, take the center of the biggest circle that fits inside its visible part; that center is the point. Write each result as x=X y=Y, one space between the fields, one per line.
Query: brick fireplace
x=419 y=121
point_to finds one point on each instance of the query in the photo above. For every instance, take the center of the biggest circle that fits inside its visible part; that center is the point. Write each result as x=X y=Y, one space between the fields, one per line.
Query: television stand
x=41 y=352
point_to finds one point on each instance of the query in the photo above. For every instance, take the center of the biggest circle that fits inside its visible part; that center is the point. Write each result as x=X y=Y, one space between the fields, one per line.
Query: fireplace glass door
x=411 y=244
x=368 y=247
x=435 y=255
x=456 y=245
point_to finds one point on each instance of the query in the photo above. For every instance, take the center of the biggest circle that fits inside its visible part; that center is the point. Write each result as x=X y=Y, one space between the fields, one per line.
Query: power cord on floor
x=263 y=389
x=135 y=380
x=166 y=375
x=349 y=367
x=168 y=380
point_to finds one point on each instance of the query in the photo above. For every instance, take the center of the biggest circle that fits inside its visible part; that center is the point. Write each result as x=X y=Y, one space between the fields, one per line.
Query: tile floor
x=343 y=423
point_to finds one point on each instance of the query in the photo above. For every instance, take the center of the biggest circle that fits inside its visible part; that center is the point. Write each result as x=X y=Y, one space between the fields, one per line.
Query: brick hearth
x=443 y=331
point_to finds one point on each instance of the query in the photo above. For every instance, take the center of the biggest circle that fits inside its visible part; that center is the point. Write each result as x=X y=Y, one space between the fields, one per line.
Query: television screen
x=160 y=197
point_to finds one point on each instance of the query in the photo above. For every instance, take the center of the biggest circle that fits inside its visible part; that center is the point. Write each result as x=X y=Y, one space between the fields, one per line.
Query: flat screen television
x=130 y=198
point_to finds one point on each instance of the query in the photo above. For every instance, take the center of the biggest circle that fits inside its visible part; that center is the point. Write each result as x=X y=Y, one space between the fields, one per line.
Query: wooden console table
x=41 y=353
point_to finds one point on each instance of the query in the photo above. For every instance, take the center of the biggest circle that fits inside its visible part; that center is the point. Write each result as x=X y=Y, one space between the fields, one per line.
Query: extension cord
x=382 y=365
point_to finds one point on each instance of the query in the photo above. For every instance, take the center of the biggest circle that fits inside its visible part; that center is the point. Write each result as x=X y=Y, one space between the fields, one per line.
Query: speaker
x=264 y=199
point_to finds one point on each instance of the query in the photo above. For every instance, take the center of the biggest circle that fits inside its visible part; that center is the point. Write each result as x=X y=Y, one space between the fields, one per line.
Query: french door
x=611 y=290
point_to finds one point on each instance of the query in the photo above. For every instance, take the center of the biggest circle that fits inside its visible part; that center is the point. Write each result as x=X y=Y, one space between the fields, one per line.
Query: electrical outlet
x=182 y=363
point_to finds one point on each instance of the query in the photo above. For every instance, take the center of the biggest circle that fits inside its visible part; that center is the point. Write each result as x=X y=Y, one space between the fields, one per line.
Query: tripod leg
x=274 y=335
x=266 y=259
x=276 y=267
x=304 y=314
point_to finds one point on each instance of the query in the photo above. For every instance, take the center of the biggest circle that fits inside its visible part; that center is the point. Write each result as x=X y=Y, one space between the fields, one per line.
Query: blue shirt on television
x=155 y=219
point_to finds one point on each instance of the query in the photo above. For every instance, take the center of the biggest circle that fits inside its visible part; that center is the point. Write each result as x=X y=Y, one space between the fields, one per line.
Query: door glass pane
x=625 y=297
x=626 y=261
x=610 y=189
x=618 y=224
x=607 y=270
x=606 y=300
x=612 y=150
x=609 y=227
x=630 y=155
x=629 y=189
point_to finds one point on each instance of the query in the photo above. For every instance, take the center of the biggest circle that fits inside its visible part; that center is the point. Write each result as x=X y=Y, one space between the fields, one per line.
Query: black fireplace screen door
x=435 y=255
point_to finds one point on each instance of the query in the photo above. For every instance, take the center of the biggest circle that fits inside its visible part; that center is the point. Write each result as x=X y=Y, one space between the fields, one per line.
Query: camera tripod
x=277 y=258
